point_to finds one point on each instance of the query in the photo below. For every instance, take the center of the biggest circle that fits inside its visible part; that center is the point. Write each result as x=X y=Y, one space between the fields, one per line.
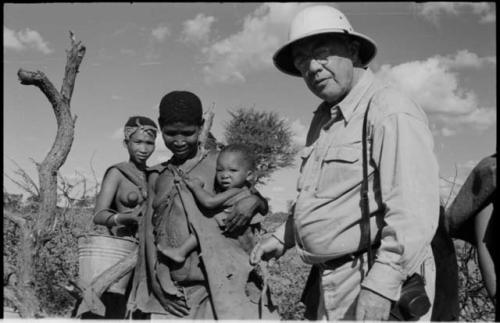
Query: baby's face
x=232 y=170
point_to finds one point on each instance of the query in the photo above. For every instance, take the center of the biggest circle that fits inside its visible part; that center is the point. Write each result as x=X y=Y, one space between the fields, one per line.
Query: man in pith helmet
x=402 y=172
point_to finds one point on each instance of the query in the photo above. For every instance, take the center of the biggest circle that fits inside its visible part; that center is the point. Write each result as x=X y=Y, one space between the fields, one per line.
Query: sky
x=443 y=54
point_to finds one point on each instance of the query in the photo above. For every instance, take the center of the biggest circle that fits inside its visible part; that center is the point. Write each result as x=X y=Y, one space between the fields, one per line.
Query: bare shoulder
x=112 y=175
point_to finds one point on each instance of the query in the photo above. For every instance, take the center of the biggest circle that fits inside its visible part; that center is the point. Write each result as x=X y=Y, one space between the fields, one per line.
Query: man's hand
x=242 y=213
x=267 y=249
x=372 y=306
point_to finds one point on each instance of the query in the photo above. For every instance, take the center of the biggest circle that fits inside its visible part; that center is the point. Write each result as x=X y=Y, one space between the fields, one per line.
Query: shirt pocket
x=304 y=155
x=341 y=170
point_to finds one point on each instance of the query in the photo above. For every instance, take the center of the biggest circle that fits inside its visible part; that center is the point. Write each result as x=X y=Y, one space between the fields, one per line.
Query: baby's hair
x=244 y=150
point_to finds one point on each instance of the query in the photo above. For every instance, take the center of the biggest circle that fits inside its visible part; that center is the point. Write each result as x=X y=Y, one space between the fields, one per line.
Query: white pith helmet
x=315 y=20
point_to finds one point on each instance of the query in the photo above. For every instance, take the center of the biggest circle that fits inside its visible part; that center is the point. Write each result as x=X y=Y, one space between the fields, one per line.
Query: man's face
x=326 y=65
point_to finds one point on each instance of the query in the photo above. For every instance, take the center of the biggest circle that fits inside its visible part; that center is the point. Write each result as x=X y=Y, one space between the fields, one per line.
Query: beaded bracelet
x=115 y=218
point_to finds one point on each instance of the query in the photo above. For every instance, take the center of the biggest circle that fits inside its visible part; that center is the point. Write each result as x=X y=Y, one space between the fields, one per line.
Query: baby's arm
x=209 y=199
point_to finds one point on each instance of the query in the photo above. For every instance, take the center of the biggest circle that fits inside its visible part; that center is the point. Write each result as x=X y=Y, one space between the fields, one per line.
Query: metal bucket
x=96 y=253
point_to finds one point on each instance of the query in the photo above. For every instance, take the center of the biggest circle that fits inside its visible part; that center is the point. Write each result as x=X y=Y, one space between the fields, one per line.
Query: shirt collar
x=349 y=103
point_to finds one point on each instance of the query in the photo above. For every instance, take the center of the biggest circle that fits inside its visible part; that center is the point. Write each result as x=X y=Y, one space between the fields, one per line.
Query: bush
x=288 y=275
x=57 y=261
x=475 y=304
x=268 y=136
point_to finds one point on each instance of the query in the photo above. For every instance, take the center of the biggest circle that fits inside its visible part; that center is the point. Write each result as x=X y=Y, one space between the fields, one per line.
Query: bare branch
x=28 y=184
x=84 y=182
x=208 y=116
x=72 y=37
x=19 y=220
x=20 y=185
x=74 y=58
x=92 y=169
x=41 y=81
x=452 y=187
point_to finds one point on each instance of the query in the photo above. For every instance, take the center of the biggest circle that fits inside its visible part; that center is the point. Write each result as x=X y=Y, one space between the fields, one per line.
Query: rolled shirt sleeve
x=402 y=149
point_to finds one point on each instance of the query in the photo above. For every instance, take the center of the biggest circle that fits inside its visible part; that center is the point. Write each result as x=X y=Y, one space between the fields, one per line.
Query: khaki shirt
x=403 y=184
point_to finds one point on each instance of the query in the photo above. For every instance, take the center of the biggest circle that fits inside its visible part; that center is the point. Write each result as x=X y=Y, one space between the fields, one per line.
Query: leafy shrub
x=267 y=135
x=475 y=304
x=288 y=275
x=57 y=262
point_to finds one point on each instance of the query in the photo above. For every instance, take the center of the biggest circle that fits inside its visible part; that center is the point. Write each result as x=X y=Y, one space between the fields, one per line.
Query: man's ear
x=354 y=47
x=125 y=143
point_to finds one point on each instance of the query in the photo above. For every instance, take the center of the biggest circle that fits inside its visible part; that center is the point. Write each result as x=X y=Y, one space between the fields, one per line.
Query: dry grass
x=59 y=264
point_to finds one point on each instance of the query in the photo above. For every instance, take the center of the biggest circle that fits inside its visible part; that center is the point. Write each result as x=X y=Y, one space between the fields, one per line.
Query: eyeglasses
x=320 y=55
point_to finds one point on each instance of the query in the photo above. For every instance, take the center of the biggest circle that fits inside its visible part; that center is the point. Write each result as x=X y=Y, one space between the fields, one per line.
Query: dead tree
x=60 y=100
x=48 y=168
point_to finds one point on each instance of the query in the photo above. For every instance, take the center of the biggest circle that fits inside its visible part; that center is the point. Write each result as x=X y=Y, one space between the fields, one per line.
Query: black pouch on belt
x=413 y=302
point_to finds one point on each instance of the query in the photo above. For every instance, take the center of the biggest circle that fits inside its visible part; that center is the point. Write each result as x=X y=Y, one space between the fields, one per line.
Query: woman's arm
x=103 y=214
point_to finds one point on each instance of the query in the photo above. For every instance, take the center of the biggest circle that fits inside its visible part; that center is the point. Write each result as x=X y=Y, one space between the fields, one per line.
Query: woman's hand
x=127 y=218
x=243 y=212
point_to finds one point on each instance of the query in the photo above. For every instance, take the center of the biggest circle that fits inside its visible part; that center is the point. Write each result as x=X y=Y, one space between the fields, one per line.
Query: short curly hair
x=180 y=106
x=244 y=150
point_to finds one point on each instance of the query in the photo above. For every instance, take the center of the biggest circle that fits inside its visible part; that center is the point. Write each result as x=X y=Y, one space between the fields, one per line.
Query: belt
x=337 y=262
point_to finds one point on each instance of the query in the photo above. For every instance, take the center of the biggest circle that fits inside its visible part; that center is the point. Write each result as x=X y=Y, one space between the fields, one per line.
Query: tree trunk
x=47 y=170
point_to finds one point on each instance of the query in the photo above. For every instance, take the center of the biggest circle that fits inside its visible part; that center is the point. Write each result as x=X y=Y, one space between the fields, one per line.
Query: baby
x=234 y=172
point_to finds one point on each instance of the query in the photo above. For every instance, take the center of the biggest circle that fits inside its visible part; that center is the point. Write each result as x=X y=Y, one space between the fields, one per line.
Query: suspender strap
x=365 y=208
